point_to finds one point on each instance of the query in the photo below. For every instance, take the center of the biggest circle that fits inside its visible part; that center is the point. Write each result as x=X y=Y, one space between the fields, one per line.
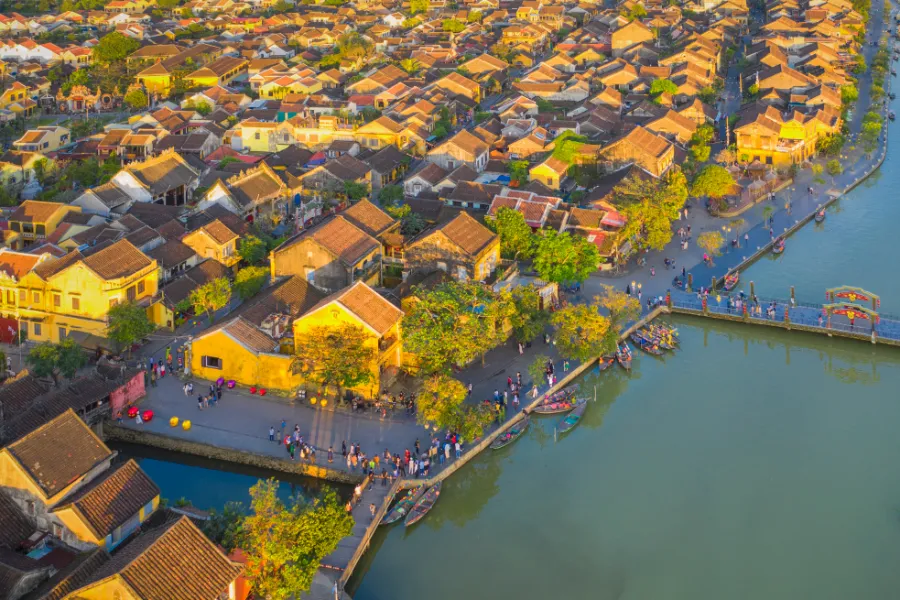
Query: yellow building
x=379 y=133
x=462 y=247
x=36 y=220
x=781 y=139
x=17 y=168
x=73 y=294
x=221 y=71
x=214 y=240
x=551 y=172
x=255 y=348
x=46 y=138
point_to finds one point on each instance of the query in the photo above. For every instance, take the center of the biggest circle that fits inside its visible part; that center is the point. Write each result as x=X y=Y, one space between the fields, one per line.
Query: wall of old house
x=312 y=262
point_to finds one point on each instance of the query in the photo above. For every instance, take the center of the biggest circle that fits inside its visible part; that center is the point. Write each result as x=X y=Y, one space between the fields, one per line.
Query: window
x=57 y=530
x=140 y=287
x=256 y=135
x=23 y=296
x=30 y=508
x=40 y=229
x=310 y=275
x=37 y=329
x=36 y=296
x=442 y=266
x=212 y=362
x=130 y=294
x=57 y=300
x=76 y=303
x=10 y=297
x=62 y=333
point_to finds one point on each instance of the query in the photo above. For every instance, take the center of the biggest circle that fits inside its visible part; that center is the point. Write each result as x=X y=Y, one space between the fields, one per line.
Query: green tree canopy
x=250 y=280
x=391 y=195
x=527 y=318
x=285 y=543
x=252 y=250
x=52 y=360
x=335 y=356
x=452 y=324
x=711 y=242
x=622 y=308
x=419 y=6
x=516 y=237
x=566 y=145
x=637 y=12
x=136 y=99
x=649 y=207
x=564 y=258
x=660 y=86
x=582 y=333
x=453 y=25
x=211 y=297
x=714 y=181
x=114 y=47
x=128 y=324
x=356 y=191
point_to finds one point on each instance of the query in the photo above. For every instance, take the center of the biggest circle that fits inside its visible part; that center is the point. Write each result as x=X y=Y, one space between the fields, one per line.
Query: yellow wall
x=160 y=84
x=271 y=371
x=93 y=294
x=546 y=175
x=206 y=247
x=112 y=587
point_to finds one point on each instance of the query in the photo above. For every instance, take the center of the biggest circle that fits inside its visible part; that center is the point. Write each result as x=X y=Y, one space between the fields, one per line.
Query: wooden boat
x=660 y=340
x=559 y=396
x=573 y=418
x=512 y=434
x=645 y=345
x=820 y=216
x=424 y=504
x=892 y=116
x=560 y=406
x=401 y=509
x=731 y=281
x=605 y=362
x=623 y=356
x=778 y=246
x=663 y=331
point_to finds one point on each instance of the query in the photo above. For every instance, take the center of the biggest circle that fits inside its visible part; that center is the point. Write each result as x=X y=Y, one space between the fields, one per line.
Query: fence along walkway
x=799 y=316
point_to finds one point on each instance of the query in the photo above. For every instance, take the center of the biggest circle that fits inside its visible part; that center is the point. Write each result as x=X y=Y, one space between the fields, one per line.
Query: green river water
x=753 y=464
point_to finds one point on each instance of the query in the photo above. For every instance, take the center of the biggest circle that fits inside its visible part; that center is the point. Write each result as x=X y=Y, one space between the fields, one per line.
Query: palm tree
x=410 y=65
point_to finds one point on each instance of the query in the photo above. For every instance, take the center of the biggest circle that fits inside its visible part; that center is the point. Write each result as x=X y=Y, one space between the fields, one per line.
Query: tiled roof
x=371 y=307
x=367 y=217
x=219 y=231
x=59 y=452
x=71 y=577
x=113 y=498
x=293 y=296
x=173 y=562
x=16 y=526
x=17 y=264
x=35 y=211
x=468 y=234
x=171 y=253
x=118 y=260
x=246 y=334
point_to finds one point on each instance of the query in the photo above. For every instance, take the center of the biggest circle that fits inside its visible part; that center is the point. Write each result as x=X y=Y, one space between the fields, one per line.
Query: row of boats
x=419 y=500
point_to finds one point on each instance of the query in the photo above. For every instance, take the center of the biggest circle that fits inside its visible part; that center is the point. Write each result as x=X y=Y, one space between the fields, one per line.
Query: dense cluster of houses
x=299 y=121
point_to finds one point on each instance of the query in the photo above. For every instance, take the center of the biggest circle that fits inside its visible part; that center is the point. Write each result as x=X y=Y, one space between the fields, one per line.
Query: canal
x=754 y=463
x=209 y=483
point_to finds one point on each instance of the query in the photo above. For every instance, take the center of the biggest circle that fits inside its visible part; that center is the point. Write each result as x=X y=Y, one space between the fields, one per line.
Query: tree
x=831 y=145
x=582 y=333
x=516 y=238
x=474 y=16
x=410 y=223
x=714 y=181
x=452 y=324
x=136 y=99
x=226 y=527
x=537 y=368
x=41 y=169
x=211 y=297
x=711 y=242
x=649 y=207
x=252 y=250
x=834 y=168
x=356 y=191
x=440 y=401
x=250 y=280
x=114 y=47
x=660 y=86
x=391 y=195
x=285 y=543
x=410 y=65
x=708 y=95
x=518 y=170
x=167 y=4
x=419 y=6
x=622 y=307
x=849 y=94
x=567 y=144
x=51 y=360
x=128 y=324
x=726 y=156
x=453 y=25
x=527 y=318
x=637 y=12
x=336 y=356
x=562 y=257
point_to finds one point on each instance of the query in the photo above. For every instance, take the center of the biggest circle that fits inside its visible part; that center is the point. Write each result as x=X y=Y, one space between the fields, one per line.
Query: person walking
x=271 y=434
x=330 y=454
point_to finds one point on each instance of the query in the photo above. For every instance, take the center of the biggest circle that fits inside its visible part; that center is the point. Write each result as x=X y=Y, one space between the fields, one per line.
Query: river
x=755 y=463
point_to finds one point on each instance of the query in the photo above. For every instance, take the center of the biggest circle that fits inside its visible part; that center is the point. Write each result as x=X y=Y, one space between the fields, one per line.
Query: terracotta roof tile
x=468 y=234
x=371 y=307
x=59 y=452
x=367 y=217
x=111 y=500
x=173 y=562
x=118 y=260
x=35 y=211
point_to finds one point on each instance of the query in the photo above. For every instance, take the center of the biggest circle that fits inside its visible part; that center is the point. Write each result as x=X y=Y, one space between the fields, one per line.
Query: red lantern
x=262 y=391
x=132 y=412
x=147 y=415
x=253 y=390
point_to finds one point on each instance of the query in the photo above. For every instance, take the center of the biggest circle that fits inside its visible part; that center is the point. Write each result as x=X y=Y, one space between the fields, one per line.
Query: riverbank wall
x=113 y=432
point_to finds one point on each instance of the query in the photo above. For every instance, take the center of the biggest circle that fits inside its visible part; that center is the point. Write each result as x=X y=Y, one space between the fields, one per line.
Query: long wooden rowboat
x=401 y=509
x=605 y=362
x=573 y=418
x=514 y=433
x=778 y=246
x=820 y=216
x=623 y=355
x=645 y=345
x=654 y=338
x=558 y=405
x=423 y=505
